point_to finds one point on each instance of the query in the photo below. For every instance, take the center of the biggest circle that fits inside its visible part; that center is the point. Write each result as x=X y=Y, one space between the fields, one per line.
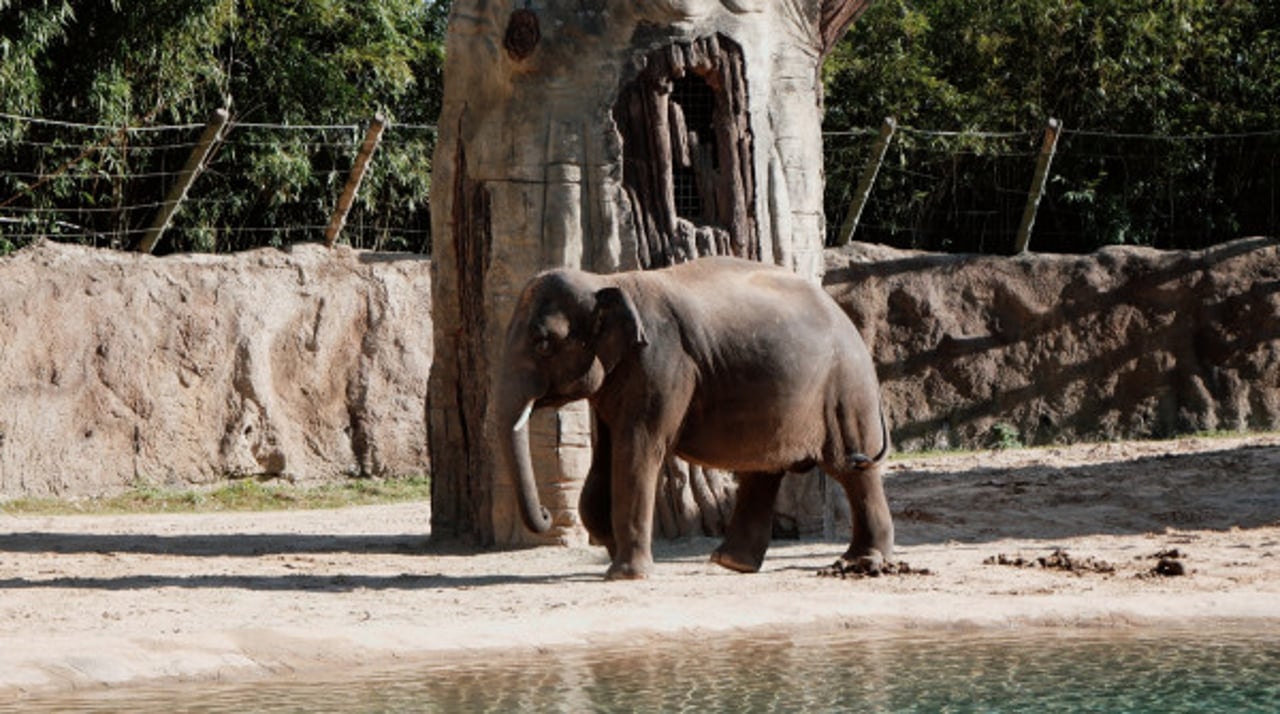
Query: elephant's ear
x=617 y=328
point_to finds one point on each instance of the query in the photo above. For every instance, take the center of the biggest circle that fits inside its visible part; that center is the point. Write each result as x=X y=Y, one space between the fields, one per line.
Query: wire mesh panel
x=695 y=103
x=950 y=191
x=965 y=191
x=262 y=185
x=91 y=184
x=1163 y=191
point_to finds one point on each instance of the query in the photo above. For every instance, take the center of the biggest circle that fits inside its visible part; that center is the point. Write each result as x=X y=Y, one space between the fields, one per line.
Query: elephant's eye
x=542 y=346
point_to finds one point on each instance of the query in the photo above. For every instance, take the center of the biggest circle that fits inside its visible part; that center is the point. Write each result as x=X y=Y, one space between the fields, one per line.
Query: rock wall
x=1124 y=343
x=119 y=368
x=312 y=364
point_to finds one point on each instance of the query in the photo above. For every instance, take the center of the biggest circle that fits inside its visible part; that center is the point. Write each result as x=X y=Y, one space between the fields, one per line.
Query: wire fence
x=966 y=191
x=261 y=185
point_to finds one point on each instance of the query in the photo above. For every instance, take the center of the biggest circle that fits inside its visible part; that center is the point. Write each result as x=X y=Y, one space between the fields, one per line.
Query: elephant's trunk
x=513 y=429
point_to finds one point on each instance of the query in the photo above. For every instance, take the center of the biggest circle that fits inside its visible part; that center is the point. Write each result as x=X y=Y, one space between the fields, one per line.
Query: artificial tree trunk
x=607 y=135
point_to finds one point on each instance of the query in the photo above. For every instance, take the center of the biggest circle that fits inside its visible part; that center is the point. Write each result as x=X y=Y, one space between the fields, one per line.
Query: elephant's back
x=727 y=283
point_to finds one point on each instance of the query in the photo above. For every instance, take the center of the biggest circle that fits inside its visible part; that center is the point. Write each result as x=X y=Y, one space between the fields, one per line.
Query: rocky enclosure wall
x=117 y=369
x=1124 y=343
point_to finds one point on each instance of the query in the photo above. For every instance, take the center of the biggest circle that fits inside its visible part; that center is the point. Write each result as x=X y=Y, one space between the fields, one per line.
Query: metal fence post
x=866 y=181
x=1038 y=182
x=371 y=139
x=178 y=193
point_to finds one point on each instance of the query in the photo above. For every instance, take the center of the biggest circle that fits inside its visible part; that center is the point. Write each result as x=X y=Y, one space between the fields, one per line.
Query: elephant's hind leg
x=751 y=525
x=596 y=500
x=872 y=542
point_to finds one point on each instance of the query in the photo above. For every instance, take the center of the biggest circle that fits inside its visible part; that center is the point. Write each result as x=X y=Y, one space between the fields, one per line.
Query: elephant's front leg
x=751 y=526
x=636 y=461
x=872 y=543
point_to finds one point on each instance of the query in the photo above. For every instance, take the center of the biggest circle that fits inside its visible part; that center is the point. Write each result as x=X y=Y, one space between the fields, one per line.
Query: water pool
x=1144 y=670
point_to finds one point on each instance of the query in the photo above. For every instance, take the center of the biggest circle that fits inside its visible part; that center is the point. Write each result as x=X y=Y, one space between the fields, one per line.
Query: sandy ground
x=108 y=601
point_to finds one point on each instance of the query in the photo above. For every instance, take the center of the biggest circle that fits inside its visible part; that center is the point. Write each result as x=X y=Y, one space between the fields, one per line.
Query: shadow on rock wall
x=1124 y=343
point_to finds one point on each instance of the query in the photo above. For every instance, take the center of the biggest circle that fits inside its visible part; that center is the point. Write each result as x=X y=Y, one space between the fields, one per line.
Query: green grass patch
x=1004 y=436
x=245 y=494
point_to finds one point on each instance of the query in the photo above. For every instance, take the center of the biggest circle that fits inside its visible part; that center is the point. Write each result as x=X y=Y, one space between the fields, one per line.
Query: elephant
x=724 y=362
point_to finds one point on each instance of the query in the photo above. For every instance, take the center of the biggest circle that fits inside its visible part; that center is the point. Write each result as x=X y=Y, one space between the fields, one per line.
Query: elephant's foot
x=736 y=561
x=637 y=569
x=626 y=572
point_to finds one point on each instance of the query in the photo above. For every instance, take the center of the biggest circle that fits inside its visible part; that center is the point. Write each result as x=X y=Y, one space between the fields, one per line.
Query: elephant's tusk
x=523 y=421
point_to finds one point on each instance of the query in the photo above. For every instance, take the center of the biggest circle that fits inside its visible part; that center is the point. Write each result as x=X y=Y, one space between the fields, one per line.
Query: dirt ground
x=1112 y=535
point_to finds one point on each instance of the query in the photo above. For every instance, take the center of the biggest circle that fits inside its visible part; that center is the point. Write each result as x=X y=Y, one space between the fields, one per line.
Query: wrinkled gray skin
x=726 y=363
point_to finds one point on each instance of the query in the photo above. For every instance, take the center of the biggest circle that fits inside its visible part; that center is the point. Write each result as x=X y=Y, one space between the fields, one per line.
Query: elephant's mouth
x=581 y=388
x=553 y=402
x=522 y=422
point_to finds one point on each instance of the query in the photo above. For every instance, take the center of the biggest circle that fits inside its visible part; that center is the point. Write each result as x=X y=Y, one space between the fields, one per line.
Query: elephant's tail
x=860 y=460
x=884 y=436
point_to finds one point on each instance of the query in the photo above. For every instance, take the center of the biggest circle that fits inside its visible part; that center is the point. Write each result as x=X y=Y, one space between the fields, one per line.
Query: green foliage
x=29 y=32
x=1132 y=80
x=1005 y=436
x=1114 y=67
x=154 y=63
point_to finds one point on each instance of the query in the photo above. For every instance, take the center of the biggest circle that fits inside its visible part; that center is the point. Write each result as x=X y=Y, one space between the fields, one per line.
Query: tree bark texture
x=459 y=388
x=607 y=135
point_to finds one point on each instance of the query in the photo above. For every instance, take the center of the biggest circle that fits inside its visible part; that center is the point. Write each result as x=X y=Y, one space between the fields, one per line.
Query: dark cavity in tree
x=522 y=35
x=688 y=154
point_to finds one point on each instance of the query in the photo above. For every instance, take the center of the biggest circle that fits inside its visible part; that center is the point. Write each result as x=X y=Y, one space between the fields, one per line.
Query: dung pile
x=1059 y=560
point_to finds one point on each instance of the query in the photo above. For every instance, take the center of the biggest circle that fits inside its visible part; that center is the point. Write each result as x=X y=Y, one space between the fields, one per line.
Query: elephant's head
x=568 y=332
